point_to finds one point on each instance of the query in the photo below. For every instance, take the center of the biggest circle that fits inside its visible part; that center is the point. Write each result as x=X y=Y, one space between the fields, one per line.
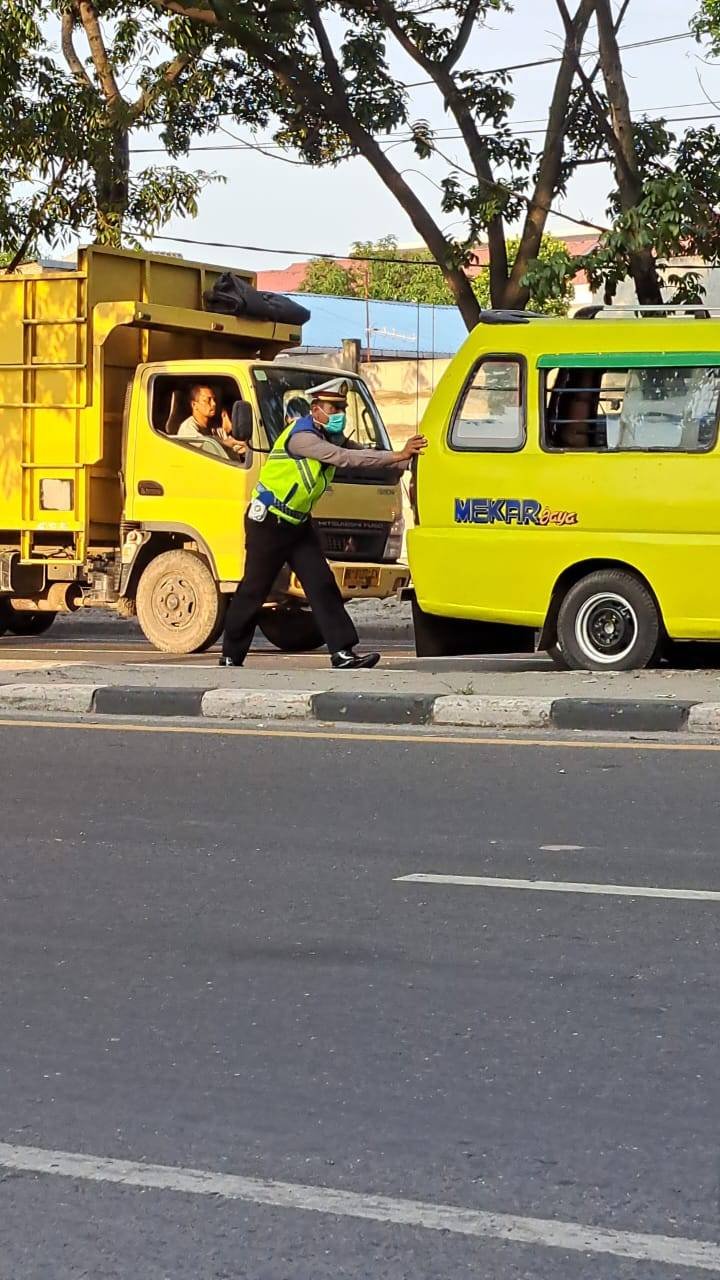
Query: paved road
x=117 y=642
x=204 y=969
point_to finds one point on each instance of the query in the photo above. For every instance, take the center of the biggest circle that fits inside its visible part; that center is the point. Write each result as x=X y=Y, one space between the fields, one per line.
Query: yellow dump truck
x=103 y=504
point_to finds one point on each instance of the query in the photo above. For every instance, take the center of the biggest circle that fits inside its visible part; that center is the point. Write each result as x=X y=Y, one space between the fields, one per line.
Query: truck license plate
x=361 y=579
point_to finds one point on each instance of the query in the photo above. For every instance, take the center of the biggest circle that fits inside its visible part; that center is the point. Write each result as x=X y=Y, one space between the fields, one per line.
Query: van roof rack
x=509 y=317
x=662 y=310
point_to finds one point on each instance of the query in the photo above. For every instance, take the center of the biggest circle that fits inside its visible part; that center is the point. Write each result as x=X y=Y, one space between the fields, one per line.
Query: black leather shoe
x=228 y=662
x=346 y=658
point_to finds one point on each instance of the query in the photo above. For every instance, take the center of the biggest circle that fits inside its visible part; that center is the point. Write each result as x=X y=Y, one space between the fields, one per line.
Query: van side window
x=490 y=412
x=671 y=408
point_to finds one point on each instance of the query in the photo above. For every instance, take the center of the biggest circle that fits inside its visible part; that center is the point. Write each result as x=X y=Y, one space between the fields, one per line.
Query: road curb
x=606 y=715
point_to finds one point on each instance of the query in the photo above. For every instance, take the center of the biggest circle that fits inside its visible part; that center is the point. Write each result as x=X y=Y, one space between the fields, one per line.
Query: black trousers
x=268 y=546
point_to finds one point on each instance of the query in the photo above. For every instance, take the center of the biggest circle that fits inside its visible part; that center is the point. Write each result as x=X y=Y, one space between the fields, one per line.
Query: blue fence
x=397 y=328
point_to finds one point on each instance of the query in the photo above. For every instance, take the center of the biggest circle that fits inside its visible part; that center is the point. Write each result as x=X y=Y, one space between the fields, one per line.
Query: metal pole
x=367 y=313
x=417 y=371
x=432 y=365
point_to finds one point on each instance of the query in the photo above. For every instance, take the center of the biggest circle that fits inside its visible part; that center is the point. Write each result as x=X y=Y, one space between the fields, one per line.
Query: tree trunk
x=112 y=187
x=498 y=268
x=550 y=167
x=425 y=225
x=629 y=179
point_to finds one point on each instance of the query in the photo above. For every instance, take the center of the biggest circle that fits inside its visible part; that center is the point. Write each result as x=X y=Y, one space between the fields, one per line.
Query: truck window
x=193 y=410
x=670 y=408
x=283 y=395
x=490 y=411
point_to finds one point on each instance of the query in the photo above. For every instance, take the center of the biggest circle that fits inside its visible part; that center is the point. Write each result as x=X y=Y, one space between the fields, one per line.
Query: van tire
x=179 y=606
x=608 y=621
x=557 y=657
x=291 y=630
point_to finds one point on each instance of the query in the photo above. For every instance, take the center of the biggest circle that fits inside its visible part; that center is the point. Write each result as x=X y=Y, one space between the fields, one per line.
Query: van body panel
x=498 y=528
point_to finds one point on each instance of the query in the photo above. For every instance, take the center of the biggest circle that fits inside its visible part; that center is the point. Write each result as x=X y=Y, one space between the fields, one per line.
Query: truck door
x=181 y=477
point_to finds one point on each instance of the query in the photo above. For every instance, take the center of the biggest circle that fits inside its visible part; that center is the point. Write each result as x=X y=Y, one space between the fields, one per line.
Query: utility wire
x=546 y=62
x=305 y=253
x=442 y=137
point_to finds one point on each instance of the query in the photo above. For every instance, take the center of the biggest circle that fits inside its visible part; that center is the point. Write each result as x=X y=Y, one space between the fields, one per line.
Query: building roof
x=289 y=279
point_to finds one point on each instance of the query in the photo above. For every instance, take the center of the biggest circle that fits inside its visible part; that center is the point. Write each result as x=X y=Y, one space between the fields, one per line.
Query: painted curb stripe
x=593 y=715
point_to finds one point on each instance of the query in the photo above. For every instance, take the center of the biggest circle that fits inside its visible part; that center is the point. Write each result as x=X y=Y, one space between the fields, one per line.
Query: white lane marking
x=561 y=848
x=565 y=886
x=675 y=1251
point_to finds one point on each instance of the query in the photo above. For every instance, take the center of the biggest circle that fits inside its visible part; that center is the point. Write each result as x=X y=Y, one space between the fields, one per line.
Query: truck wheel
x=178 y=602
x=22 y=622
x=608 y=622
x=292 y=630
x=217 y=630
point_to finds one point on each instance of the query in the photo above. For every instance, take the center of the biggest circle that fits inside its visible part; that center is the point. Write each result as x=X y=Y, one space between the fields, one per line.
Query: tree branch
x=456 y=103
x=604 y=125
x=207 y=16
x=550 y=166
x=465 y=29
x=101 y=61
x=70 y=54
x=170 y=76
x=629 y=177
x=424 y=224
x=37 y=212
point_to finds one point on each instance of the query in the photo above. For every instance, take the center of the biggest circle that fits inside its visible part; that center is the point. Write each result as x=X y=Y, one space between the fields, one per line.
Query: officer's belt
x=277 y=505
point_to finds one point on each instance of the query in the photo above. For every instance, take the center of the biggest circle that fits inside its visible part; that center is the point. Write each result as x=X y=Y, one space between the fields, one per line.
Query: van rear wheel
x=179 y=606
x=608 y=621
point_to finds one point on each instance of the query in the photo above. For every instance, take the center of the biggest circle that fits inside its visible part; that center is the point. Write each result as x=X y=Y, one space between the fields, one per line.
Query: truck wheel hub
x=175 y=602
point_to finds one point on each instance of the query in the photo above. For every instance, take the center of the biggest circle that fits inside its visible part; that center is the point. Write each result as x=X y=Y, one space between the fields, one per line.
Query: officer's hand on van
x=414 y=445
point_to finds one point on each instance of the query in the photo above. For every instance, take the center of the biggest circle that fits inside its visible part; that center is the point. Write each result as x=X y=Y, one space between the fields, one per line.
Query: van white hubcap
x=606 y=627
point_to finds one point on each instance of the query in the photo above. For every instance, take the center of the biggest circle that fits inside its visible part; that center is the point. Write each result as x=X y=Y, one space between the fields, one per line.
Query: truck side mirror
x=242 y=421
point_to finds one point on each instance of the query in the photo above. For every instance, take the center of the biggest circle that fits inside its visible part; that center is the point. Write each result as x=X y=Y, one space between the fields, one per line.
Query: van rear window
x=490 y=412
x=666 y=408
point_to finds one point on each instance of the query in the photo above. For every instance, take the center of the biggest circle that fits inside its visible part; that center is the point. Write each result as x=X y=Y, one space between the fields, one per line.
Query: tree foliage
x=666 y=199
x=325 y=70
x=79 y=78
x=66 y=121
x=384 y=272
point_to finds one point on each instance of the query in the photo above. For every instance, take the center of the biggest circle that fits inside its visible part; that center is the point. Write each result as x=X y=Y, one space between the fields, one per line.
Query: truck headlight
x=393 y=545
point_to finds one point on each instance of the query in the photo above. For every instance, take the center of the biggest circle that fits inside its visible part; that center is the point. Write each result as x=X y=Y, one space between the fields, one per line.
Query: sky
x=269 y=203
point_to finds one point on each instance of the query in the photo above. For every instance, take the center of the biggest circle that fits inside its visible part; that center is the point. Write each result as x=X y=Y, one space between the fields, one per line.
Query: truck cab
x=181 y=495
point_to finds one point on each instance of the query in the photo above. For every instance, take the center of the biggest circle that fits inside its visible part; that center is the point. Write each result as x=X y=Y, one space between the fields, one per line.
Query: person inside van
x=578 y=425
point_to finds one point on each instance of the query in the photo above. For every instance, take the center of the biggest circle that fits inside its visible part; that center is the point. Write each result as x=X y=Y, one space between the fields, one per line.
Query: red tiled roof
x=289 y=279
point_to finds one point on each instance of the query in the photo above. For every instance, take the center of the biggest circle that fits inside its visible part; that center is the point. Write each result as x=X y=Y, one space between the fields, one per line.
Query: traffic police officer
x=279 y=529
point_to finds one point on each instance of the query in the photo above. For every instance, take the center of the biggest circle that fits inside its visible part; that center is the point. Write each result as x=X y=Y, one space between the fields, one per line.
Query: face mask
x=335 y=424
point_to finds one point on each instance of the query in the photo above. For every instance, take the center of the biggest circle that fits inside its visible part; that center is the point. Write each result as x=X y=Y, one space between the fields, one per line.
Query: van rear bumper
x=361 y=581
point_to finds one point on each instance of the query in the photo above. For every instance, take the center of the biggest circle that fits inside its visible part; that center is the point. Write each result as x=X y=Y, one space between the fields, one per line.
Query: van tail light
x=394 y=543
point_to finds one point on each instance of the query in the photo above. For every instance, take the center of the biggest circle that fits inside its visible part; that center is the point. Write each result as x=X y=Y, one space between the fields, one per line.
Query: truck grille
x=353 y=539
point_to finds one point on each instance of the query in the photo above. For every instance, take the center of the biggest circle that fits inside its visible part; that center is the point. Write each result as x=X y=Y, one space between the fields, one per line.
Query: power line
x=547 y=62
x=306 y=253
x=442 y=136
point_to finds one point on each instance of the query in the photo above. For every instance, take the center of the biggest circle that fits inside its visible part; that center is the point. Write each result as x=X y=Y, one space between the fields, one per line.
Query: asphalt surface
x=208 y=962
